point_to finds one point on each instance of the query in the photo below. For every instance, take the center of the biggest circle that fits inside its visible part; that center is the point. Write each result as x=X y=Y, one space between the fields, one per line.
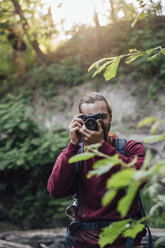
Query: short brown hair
x=93 y=97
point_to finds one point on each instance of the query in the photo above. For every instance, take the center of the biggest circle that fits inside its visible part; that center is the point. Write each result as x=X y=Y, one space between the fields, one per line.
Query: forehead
x=94 y=108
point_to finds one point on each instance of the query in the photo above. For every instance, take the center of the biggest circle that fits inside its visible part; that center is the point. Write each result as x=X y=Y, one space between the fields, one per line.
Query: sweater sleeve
x=132 y=149
x=61 y=181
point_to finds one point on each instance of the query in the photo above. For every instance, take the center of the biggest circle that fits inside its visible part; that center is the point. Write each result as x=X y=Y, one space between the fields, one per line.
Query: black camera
x=90 y=121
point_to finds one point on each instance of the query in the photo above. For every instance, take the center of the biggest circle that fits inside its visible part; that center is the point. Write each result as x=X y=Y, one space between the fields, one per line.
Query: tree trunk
x=96 y=19
x=112 y=11
x=34 y=43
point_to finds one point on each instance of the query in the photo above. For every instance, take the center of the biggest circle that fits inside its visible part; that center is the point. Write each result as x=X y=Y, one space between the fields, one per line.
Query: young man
x=62 y=179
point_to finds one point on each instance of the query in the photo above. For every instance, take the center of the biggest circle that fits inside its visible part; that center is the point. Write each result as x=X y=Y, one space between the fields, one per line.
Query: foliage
x=69 y=61
x=66 y=72
x=112 y=63
x=27 y=154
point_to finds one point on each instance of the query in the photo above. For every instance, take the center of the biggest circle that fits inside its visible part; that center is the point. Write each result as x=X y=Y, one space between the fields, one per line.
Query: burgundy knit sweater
x=62 y=181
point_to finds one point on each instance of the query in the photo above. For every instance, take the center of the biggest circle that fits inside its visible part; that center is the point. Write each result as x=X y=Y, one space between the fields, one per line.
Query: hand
x=74 y=129
x=93 y=137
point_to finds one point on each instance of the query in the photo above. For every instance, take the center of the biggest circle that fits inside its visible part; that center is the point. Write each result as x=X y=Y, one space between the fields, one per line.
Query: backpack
x=96 y=225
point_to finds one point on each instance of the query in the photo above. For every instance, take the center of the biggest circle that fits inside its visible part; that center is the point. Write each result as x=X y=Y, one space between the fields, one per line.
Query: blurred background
x=46 y=48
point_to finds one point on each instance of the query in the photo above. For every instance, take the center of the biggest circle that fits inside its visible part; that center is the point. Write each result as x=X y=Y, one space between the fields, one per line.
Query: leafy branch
x=110 y=65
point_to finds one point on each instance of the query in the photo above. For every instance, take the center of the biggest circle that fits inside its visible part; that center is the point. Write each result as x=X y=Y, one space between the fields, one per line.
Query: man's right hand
x=74 y=129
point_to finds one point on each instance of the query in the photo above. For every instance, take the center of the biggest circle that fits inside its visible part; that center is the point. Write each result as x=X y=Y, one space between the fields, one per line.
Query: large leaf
x=125 y=203
x=102 y=166
x=110 y=233
x=121 y=179
x=133 y=231
x=108 y=197
x=81 y=157
x=112 y=69
x=101 y=68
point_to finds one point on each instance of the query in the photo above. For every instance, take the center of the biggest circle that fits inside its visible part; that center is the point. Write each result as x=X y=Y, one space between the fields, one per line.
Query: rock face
x=53 y=239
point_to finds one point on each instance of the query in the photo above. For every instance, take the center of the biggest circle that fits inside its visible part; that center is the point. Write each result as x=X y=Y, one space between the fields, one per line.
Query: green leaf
x=149 y=51
x=155 y=138
x=146 y=121
x=148 y=159
x=101 y=68
x=121 y=179
x=141 y=16
x=108 y=197
x=133 y=57
x=133 y=162
x=112 y=69
x=110 y=233
x=155 y=56
x=141 y=175
x=159 y=166
x=125 y=203
x=154 y=127
x=93 y=146
x=162 y=51
x=133 y=231
x=133 y=50
x=96 y=64
x=102 y=166
x=159 y=241
x=81 y=157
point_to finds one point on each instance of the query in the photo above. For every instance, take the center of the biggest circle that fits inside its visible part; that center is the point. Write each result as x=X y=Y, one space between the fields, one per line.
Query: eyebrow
x=103 y=114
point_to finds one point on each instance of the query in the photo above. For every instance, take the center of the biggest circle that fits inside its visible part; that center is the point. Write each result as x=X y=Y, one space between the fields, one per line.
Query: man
x=62 y=179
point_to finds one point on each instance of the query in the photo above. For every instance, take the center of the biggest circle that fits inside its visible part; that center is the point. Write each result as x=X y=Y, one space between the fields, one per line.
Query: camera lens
x=91 y=124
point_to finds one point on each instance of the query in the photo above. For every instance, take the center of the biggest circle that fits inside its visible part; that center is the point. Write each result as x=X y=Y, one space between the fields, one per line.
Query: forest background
x=41 y=59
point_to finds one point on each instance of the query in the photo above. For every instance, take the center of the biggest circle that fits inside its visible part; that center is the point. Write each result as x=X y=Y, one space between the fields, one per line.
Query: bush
x=27 y=153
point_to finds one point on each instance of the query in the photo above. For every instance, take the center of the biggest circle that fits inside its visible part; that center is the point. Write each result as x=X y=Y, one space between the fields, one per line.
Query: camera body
x=91 y=121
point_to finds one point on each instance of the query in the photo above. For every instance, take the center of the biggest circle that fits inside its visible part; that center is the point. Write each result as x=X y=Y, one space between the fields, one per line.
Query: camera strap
x=103 y=127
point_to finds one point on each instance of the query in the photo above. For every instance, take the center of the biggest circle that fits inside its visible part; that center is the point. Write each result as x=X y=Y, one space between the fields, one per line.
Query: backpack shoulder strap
x=78 y=170
x=120 y=145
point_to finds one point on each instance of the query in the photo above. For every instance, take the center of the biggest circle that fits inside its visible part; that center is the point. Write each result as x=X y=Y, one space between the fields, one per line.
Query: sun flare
x=74 y=11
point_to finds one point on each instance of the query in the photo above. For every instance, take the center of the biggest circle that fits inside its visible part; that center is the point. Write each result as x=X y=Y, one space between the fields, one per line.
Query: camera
x=91 y=121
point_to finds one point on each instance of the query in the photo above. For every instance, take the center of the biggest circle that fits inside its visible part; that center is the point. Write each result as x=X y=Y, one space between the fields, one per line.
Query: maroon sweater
x=62 y=180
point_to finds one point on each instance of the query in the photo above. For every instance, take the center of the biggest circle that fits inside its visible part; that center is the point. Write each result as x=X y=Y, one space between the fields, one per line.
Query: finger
x=76 y=123
x=84 y=128
x=75 y=129
x=78 y=119
x=84 y=133
x=99 y=125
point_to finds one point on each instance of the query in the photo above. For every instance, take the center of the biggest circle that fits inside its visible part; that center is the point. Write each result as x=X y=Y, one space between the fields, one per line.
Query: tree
x=34 y=43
